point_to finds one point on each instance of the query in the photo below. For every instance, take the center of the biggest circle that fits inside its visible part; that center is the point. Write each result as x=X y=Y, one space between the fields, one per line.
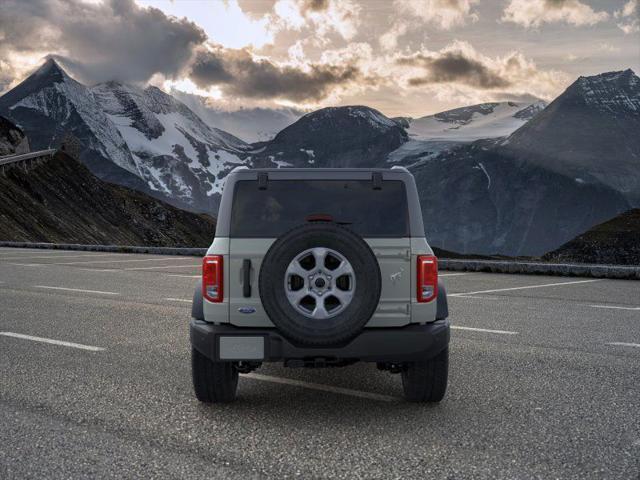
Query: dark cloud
x=113 y=40
x=454 y=67
x=315 y=5
x=238 y=73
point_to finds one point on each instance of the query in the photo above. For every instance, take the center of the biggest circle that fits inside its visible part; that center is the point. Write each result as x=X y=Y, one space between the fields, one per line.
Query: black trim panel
x=410 y=343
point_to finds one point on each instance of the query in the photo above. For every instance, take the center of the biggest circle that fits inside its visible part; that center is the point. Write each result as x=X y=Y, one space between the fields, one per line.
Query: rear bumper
x=395 y=345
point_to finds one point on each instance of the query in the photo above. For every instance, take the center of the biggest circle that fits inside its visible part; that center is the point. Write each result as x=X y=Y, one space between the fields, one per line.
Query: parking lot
x=95 y=381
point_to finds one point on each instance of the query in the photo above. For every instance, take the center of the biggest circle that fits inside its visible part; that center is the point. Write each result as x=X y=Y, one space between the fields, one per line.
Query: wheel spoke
x=344 y=296
x=319 y=283
x=319 y=254
x=320 y=311
x=295 y=296
x=343 y=269
x=296 y=269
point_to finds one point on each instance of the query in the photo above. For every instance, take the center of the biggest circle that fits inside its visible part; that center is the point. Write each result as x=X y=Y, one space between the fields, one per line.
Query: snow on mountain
x=573 y=165
x=138 y=137
x=61 y=98
x=467 y=124
x=174 y=150
x=250 y=124
x=350 y=136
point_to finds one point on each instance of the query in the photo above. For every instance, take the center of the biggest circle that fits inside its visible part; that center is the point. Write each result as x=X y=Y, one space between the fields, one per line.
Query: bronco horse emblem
x=396 y=276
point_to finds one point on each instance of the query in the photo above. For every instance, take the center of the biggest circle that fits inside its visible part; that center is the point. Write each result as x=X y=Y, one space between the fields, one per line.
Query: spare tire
x=320 y=284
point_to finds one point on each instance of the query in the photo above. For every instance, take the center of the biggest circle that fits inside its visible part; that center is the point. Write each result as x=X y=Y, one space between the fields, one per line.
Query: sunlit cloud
x=460 y=71
x=444 y=14
x=533 y=13
x=628 y=17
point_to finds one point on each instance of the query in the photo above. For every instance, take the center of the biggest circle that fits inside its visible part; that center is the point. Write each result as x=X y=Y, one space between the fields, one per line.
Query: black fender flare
x=442 y=311
x=197 y=311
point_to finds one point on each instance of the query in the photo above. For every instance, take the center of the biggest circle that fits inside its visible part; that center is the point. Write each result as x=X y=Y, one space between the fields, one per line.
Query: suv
x=320 y=268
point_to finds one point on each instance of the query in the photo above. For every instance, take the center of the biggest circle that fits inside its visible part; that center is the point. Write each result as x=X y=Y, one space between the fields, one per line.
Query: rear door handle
x=246 y=278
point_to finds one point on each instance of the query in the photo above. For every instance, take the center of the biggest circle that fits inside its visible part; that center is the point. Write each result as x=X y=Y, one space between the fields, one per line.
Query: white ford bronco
x=320 y=268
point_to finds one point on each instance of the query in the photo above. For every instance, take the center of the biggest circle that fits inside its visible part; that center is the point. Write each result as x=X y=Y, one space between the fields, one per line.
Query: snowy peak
x=356 y=116
x=163 y=145
x=466 y=124
x=610 y=92
x=51 y=71
x=350 y=136
x=70 y=107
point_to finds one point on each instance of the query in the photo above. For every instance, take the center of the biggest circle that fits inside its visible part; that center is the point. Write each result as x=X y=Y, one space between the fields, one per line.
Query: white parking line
x=623 y=344
x=76 y=290
x=461 y=294
x=99 y=269
x=165 y=266
x=186 y=300
x=477 y=297
x=29 y=257
x=452 y=274
x=614 y=307
x=52 y=342
x=321 y=387
x=503 y=332
x=183 y=276
x=105 y=261
x=27 y=250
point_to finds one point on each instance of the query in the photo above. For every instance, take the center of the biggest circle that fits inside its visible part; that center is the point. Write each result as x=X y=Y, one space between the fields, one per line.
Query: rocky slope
x=352 y=136
x=12 y=140
x=590 y=133
x=60 y=201
x=616 y=241
x=140 y=138
x=535 y=190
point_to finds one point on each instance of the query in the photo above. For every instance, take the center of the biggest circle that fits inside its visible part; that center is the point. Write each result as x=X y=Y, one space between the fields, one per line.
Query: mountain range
x=508 y=178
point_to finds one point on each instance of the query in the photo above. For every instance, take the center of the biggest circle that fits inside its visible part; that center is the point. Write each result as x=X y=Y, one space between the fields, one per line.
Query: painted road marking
x=183 y=276
x=165 y=266
x=477 y=297
x=623 y=344
x=104 y=261
x=76 y=290
x=52 y=342
x=613 y=307
x=99 y=269
x=186 y=300
x=29 y=257
x=523 y=288
x=321 y=387
x=503 y=332
x=452 y=274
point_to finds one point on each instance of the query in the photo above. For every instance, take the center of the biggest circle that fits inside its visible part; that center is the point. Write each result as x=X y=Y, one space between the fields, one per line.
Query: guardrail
x=629 y=272
x=11 y=159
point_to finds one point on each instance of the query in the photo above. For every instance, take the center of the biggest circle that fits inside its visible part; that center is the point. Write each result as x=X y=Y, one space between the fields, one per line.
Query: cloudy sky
x=404 y=57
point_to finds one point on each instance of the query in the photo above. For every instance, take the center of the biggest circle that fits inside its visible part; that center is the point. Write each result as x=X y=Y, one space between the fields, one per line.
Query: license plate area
x=240 y=347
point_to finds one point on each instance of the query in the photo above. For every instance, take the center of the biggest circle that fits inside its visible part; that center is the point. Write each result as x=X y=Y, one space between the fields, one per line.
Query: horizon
x=403 y=58
x=174 y=94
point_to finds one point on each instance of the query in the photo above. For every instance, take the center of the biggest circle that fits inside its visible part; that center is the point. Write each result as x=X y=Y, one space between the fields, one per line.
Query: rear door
x=377 y=213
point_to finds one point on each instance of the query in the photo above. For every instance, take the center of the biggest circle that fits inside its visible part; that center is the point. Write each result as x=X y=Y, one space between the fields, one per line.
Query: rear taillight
x=212 y=278
x=427 y=278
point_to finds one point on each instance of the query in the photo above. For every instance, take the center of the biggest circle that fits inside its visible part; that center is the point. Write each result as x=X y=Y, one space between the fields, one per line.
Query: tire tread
x=213 y=382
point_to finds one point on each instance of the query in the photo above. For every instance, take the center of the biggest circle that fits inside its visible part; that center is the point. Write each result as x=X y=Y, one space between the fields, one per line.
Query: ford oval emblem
x=247 y=310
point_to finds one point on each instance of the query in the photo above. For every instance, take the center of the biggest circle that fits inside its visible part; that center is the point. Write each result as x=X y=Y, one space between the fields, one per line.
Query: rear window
x=285 y=204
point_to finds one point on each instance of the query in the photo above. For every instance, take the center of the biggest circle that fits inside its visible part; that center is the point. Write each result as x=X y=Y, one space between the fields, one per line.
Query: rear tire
x=426 y=381
x=213 y=382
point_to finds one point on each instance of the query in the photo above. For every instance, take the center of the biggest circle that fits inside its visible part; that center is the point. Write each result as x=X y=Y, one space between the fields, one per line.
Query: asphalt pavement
x=95 y=382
